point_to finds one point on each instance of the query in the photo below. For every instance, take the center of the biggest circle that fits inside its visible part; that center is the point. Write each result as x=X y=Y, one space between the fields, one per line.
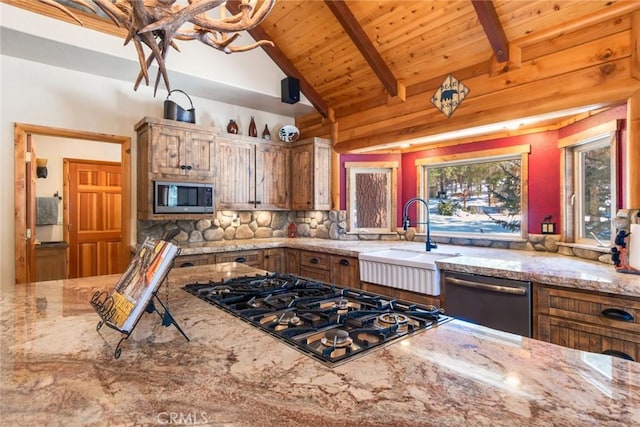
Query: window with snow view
x=479 y=196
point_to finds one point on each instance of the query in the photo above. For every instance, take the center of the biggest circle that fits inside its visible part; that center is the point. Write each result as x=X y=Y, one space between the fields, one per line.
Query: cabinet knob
x=189 y=167
x=240 y=259
x=344 y=261
x=617 y=314
x=186 y=264
x=314 y=261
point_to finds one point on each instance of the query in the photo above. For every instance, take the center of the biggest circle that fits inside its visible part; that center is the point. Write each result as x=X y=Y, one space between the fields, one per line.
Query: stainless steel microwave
x=182 y=197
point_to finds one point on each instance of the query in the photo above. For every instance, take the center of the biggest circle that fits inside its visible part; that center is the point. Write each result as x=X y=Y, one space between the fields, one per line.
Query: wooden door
x=92 y=213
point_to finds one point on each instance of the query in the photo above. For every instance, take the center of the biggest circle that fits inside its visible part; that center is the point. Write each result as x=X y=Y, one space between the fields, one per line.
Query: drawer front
x=315 y=260
x=595 y=339
x=252 y=258
x=191 y=260
x=601 y=310
x=323 y=276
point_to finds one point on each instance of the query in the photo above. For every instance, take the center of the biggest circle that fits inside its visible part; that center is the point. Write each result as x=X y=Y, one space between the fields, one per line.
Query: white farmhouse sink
x=403 y=269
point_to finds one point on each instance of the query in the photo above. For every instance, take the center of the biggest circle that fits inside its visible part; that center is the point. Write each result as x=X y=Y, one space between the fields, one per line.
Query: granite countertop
x=58 y=370
x=540 y=267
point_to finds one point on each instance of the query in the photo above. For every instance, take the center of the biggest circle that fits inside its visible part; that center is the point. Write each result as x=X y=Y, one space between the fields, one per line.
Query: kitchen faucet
x=406 y=222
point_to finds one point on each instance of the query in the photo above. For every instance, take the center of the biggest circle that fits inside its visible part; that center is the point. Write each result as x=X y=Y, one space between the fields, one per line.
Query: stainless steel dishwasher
x=498 y=303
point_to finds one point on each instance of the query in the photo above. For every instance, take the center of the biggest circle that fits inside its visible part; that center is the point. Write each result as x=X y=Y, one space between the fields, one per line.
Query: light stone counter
x=57 y=370
x=541 y=267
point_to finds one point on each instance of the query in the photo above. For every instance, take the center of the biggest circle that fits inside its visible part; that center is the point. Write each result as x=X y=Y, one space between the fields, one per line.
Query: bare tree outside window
x=371 y=200
x=371 y=196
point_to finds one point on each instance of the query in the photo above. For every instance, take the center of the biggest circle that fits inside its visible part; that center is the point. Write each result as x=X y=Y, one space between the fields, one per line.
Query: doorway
x=25 y=181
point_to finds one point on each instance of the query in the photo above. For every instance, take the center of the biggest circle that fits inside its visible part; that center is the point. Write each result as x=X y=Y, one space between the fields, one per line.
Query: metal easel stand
x=100 y=303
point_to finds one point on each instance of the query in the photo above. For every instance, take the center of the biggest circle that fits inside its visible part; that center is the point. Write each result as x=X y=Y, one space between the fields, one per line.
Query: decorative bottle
x=265 y=133
x=232 y=127
x=253 y=131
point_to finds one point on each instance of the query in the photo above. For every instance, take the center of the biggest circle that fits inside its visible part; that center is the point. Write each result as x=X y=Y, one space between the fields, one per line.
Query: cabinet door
x=198 y=153
x=302 y=178
x=272 y=177
x=166 y=156
x=273 y=260
x=322 y=176
x=235 y=171
x=292 y=263
x=181 y=152
x=344 y=271
x=311 y=175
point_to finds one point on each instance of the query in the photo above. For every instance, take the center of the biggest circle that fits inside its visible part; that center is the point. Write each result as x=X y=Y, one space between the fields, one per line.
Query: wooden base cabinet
x=593 y=322
x=315 y=266
x=327 y=268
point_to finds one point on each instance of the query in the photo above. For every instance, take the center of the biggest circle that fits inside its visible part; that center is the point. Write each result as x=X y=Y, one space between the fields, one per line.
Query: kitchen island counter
x=58 y=370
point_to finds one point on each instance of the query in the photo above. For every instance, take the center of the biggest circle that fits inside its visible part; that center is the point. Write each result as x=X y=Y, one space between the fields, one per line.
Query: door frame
x=24 y=260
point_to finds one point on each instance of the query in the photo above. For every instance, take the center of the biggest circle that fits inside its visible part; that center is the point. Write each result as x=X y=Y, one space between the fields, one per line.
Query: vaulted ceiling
x=372 y=69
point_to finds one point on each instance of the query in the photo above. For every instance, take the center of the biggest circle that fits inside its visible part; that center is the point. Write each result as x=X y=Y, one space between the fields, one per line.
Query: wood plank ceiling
x=371 y=67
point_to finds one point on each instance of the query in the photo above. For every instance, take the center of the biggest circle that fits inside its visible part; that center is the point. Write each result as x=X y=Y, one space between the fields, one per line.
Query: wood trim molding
x=607 y=127
x=22 y=132
x=371 y=165
x=632 y=151
x=488 y=154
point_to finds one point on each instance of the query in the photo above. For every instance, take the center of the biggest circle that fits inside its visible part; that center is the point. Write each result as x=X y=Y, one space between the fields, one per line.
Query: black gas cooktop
x=327 y=322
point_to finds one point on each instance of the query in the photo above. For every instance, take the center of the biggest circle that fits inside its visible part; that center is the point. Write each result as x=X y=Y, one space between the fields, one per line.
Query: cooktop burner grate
x=327 y=322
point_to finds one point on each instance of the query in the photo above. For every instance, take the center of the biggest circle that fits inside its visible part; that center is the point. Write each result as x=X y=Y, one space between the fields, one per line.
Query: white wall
x=35 y=93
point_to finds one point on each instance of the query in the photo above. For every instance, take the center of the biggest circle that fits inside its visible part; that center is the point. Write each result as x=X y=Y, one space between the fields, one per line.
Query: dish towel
x=47 y=210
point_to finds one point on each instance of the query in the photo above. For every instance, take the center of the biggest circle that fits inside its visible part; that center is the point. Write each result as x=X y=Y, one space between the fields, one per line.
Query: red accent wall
x=544 y=171
x=544 y=167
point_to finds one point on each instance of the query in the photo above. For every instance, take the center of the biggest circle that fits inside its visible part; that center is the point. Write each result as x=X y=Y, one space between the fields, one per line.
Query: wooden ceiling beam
x=285 y=64
x=360 y=39
x=490 y=21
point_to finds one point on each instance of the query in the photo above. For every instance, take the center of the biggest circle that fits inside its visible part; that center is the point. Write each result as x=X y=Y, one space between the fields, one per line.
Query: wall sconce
x=41 y=168
x=547 y=226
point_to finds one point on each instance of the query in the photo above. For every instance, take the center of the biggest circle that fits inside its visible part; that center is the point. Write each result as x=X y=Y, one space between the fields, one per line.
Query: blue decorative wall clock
x=449 y=95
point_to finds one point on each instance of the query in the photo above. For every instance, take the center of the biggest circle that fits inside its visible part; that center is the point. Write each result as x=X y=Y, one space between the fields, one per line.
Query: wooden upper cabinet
x=311 y=174
x=181 y=151
x=252 y=174
x=169 y=150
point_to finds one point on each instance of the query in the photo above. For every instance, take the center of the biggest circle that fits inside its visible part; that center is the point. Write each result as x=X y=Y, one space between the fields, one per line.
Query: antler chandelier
x=156 y=23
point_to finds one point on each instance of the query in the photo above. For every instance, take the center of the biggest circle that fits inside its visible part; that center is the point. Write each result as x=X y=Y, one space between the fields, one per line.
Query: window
x=371 y=196
x=590 y=182
x=476 y=193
